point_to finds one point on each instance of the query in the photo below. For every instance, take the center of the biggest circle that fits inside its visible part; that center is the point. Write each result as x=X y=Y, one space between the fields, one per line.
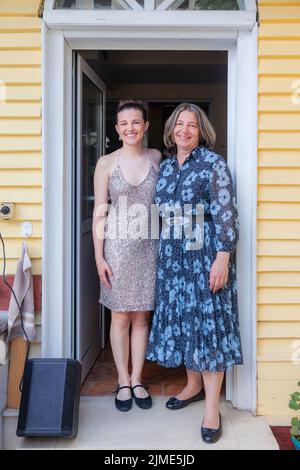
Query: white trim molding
x=149 y=5
x=242 y=138
x=103 y=19
x=250 y=5
x=59 y=41
x=57 y=195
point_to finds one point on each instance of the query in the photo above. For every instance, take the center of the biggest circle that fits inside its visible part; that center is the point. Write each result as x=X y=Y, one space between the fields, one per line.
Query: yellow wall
x=278 y=244
x=20 y=126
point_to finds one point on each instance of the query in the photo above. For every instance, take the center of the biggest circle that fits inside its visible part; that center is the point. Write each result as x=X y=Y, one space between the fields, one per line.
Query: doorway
x=236 y=34
x=162 y=80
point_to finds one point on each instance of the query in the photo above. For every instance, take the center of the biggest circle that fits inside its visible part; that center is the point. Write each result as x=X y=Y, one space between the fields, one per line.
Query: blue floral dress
x=192 y=325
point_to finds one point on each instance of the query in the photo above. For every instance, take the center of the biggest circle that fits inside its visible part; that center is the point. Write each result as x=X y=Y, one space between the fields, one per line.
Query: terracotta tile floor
x=102 y=379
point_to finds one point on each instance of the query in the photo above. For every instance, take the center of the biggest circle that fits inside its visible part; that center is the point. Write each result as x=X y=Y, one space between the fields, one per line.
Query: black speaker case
x=50 y=398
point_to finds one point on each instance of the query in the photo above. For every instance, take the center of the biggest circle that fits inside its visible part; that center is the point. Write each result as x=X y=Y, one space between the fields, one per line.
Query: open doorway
x=162 y=80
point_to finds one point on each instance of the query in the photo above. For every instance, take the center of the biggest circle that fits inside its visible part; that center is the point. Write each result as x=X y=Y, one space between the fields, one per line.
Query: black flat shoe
x=174 y=404
x=123 y=405
x=144 y=403
x=210 y=436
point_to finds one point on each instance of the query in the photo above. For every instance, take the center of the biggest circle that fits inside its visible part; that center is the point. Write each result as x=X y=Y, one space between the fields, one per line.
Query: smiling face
x=131 y=126
x=186 y=134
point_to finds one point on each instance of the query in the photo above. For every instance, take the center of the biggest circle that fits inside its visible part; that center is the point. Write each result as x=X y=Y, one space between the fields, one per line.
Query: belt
x=182 y=220
x=207 y=217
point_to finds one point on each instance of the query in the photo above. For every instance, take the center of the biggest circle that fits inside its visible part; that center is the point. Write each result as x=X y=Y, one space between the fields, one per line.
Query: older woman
x=195 y=322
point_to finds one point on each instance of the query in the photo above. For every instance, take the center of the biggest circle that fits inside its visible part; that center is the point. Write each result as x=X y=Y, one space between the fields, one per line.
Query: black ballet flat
x=174 y=404
x=144 y=403
x=123 y=405
x=210 y=436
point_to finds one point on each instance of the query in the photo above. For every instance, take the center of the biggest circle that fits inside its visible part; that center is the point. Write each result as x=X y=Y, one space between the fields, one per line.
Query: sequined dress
x=128 y=247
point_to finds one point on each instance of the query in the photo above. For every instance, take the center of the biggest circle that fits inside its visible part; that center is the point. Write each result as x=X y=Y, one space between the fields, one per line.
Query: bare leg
x=213 y=383
x=139 y=338
x=193 y=386
x=119 y=339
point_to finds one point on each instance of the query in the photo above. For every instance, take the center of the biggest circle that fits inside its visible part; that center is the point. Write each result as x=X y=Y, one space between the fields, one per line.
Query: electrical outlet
x=6 y=210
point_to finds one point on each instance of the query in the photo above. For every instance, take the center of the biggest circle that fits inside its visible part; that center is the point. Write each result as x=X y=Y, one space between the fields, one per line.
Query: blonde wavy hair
x=207 y=132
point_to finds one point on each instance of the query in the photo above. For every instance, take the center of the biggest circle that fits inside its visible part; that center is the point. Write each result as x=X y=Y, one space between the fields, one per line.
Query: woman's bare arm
x=101 y=181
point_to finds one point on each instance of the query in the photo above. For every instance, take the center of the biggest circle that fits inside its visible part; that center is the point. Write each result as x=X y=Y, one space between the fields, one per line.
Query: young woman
x=125 y=253
x=196 y=322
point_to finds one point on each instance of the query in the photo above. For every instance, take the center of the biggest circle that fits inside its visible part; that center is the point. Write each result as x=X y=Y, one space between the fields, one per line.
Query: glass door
x=90 y=135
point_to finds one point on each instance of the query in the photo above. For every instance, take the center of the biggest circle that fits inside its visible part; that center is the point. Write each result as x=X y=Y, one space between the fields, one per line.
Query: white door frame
x=199 y=31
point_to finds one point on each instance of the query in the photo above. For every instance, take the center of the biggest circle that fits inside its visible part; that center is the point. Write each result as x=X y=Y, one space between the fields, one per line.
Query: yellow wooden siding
x=20 y=126
x=269 y=210
x=21 y=41
x=278 y=230
x=277 y=157
x=275 y=279
x=278 y=248
x=279 y=349
x=278 y=263
x=20 y=7
x=274 y=393
x=276 y=312
x=278 y=193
